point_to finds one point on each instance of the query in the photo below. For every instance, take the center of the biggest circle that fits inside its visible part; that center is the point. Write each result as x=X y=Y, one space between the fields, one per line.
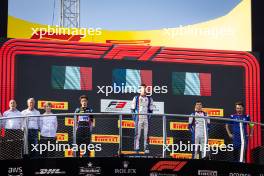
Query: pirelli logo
x=69 y=121
x=159 y=140
x=69 y=153
x=127 y=124
x=100 y=138
x=179 y=126
x=214 y=112
x=62 y=137
x=216 y=142
x=131 y=152
x=56 y=105
x=181 y=155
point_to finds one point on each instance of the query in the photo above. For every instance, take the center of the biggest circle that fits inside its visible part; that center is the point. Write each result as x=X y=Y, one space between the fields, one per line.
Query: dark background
x=33 y=79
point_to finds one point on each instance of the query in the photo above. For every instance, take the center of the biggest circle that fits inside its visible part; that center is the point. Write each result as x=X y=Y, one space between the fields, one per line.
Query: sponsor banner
x=69 y=121
x=126 y=124
x=159 y=140
x=217 y=142
x=15 y=171
x=214 y=112
x=56 y=105
x=101 y=138
x=124 y=106
x=50 y=171
x=127 y=166
x=63 y=137
x=90 y=170
x=179 y=126
x=181 y=155
x=131 y=152
x=208 y=172
x=69 y=153
x=167 y=167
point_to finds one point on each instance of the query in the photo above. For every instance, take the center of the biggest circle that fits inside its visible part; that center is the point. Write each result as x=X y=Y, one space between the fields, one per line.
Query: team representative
x=240 y=146
x=84 y=124
x=199 y=128
x=13 y=132
x=48 y=128
x=33 y=125
x=142 y=104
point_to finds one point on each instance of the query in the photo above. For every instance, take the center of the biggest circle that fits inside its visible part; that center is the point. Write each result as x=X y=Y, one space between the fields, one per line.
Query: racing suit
x=199 y=129
x=141 y=104
x=84 y=127
x=238 y=147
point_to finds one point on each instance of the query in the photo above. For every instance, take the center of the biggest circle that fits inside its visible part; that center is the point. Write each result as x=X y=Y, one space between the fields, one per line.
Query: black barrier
x=127 y=166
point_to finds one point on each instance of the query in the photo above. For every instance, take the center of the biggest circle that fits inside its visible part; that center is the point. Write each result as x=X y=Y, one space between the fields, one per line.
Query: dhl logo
x=127 y=124
x=214 y=112
x=54 y=105
x=159 y=140
x=100 y=138
x=62 y=137
x=69 y=121
x=181 y=155
x=179 y=126
x=69 y=153
x=216 y=142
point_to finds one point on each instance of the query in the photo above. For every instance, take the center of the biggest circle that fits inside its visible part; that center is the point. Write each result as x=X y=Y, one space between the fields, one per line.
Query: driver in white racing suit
x=142 y=104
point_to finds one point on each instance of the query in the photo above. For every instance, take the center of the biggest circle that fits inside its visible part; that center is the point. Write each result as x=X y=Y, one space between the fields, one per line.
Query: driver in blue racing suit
x=84 y=125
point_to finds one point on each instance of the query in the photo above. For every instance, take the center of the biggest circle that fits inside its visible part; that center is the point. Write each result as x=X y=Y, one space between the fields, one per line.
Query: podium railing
x=206 y=136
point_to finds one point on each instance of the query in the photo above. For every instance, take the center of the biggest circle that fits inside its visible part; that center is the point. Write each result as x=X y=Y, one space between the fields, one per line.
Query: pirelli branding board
x=63 y=137
x=214 y=112
x=179 y=126
x=69 y=153
x=101 y=138
x=131 y=152
x=56 y=105
x=126 y=124
x=124 y=106
x=216 y=142
x=69 y=122
x=181 y=155
x=159 y=140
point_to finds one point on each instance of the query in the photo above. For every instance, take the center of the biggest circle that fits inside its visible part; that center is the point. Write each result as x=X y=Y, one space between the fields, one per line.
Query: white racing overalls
x=141 y=105
x=199 y=129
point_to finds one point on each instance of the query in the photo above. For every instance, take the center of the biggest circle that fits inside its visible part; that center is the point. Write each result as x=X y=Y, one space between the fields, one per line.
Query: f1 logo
x=117 y=104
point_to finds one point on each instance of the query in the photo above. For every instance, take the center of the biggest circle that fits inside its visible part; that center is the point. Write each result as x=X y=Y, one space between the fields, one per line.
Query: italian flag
x=72 y=78
x=186 y=83
x=132 y=77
